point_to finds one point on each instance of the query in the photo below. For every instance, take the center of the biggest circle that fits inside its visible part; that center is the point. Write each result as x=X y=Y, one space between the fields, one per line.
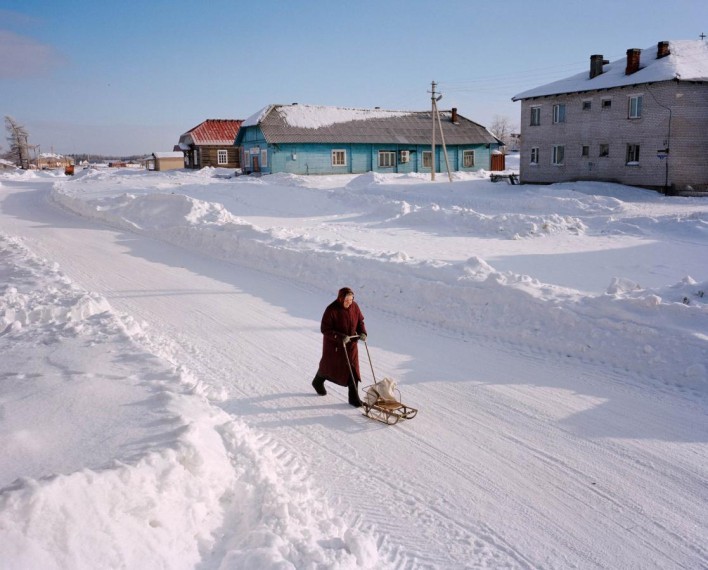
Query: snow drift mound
x=186 y=483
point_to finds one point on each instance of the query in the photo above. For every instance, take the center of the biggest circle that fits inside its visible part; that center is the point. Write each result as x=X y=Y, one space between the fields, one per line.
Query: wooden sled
x=383 y=407
x=388 y=411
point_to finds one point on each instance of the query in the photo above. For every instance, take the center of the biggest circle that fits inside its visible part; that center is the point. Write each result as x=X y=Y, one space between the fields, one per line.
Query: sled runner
x=382 y=400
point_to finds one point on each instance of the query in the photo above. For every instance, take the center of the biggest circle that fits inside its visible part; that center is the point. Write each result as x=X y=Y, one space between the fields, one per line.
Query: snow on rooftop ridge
x=688 y=61
x=257 y=117
x=317 y=116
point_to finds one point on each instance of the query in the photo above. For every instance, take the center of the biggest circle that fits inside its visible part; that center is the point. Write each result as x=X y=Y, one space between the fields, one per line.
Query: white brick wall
x=685 y=103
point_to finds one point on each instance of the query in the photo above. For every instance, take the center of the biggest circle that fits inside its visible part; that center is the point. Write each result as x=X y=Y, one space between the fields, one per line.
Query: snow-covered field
x=159 y=332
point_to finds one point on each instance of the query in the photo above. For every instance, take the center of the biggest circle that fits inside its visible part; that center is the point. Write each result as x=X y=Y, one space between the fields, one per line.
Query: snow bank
x=184 y=474
x=658 y=333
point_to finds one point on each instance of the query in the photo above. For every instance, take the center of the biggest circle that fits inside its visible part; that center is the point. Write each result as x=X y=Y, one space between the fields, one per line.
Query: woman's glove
x=362 y=336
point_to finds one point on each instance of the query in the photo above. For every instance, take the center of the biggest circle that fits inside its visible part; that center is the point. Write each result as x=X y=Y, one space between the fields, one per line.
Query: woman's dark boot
x=318 y=385
x=354 y=398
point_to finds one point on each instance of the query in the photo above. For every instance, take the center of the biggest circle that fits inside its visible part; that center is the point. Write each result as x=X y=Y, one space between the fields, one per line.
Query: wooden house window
x=339 y=158
x=585 y=153
x=387 y=159
x=606 y=103
x=535 y=116
x=264 y=158
x=587 y=105
x=604 y=150
x=468 y=158
x=427 y=159
x=222 y=157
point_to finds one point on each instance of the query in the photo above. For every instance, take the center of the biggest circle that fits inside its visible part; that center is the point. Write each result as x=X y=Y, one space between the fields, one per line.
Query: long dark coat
x=336 y=323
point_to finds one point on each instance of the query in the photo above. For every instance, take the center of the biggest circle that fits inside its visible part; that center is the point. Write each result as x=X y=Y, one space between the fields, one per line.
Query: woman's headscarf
x=343 y=292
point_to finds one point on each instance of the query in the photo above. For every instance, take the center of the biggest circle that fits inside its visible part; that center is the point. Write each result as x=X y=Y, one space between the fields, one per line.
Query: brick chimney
x=633 y=55
x=454 y=118
x=662 y=50
x=596 y=63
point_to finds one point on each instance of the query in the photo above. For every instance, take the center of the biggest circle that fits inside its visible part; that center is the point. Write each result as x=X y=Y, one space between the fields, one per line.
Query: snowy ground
x=159 y=331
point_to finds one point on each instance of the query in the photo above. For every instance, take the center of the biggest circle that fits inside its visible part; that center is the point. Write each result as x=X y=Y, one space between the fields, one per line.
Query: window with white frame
x=635 y=107
x=427 y=158
x=559 y=113
x=632 y=154
x=558 y=154
x=339 y=157
x=535 y=116
x=387 y=159
x=264 y=158
x=222 y=157
x=467 y=158
x=534 y=155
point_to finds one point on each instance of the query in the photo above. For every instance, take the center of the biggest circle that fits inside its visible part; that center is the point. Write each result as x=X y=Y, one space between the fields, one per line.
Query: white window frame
x=558 y=155
x=535 y=116
x=535 y=152
x=222 y=157
x=468 y=159
x=339 y=157
x=264 y=158
x=559 y=113
x=387 y=159
x=635 y=106
x=632 y=154
x=427 y=159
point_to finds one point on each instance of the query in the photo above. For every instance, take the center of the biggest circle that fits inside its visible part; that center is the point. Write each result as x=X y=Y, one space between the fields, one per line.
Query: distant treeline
x=79 y=158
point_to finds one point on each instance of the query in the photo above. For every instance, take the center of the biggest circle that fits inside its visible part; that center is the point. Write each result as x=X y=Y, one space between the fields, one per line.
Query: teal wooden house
x=309 y=139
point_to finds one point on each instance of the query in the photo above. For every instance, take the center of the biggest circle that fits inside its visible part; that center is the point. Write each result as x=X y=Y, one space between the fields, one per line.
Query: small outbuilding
x=165 y=161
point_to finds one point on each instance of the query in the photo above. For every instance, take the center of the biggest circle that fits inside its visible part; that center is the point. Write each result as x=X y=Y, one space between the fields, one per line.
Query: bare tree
x=17 y=136
x=502 y=128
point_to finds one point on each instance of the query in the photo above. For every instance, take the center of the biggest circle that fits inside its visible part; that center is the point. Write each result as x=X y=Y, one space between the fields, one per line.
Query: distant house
x=641 y=120
x=211 y=143
x=309 y=139
x=51 y=161
x=160 y=161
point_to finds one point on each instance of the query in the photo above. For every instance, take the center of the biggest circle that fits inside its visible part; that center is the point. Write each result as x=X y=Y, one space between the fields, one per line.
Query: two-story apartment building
x=641 y=120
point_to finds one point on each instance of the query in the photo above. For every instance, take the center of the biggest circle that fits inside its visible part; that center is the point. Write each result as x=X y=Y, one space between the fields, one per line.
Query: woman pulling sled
x=341 y=321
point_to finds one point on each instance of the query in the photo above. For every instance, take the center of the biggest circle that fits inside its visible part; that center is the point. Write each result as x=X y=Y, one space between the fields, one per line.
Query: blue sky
x=129 y=78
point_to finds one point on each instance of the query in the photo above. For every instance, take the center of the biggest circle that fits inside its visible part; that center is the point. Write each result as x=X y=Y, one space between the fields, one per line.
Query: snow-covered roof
x=318 y=116
x=688 y=61
x=321 y=124
x=168 y=154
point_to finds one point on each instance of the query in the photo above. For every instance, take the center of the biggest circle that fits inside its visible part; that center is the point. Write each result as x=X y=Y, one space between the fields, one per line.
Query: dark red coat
x=336 y=323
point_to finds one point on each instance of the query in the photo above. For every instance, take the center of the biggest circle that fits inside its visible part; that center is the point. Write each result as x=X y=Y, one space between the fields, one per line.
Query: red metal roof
x=214 y=131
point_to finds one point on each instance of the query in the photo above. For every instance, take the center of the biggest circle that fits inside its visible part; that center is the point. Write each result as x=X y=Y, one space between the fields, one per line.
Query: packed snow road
x=519 y=457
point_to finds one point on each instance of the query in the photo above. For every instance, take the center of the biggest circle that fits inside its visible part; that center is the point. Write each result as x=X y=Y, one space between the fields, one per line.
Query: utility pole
x=432 y=114
x=435 y=114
